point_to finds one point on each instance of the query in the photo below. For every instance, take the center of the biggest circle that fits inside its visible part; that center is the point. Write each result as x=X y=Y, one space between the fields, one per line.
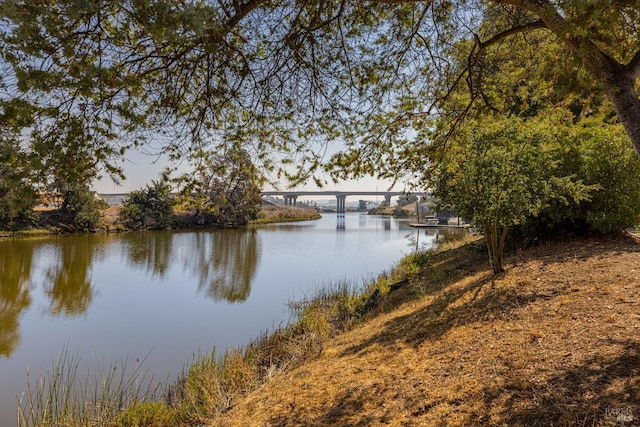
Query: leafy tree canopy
x=17 y=195
x=599 y=155
x=150 y=207
x=502 y=173
x=283 y=75
x=223 y=189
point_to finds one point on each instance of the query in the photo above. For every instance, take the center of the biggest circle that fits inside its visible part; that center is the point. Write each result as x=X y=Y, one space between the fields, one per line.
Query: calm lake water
x=170 y=295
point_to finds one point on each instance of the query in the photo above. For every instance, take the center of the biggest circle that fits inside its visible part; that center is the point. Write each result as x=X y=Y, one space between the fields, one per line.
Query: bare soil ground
x=111 y=215
x=555 y=340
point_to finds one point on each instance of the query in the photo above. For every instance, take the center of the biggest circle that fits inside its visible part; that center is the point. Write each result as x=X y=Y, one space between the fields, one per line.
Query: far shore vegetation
x=275 y=214
x=112 y=221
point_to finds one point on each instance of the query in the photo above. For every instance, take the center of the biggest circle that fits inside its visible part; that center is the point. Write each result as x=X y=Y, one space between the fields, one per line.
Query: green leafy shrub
x=502 y=173
x=223 y=189
x=598 y=154
x=150 y=207
x=80 y=211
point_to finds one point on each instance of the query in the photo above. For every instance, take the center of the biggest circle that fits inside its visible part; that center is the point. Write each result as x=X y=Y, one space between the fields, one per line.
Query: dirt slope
x=553 y=341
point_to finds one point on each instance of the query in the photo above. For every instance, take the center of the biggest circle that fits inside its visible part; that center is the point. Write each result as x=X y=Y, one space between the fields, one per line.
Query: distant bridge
x=290 y=197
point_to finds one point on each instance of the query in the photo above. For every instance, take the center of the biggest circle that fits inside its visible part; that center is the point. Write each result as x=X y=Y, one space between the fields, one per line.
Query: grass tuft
x=62 y=398
x=147 y=414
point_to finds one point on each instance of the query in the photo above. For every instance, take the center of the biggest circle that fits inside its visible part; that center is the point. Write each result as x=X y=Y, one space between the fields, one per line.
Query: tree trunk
x=495 y=245
x=619 y=85
x=617 y=79
x=627 y=106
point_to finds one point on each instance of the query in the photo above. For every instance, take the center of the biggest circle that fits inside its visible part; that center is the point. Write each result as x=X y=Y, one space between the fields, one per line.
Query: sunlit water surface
x=166 y=296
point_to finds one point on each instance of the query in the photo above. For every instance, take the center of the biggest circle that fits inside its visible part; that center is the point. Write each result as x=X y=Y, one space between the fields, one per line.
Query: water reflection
x=15 y=265
x=156 y=290
x=150 y=251
x=224 y=262
x=68 y=281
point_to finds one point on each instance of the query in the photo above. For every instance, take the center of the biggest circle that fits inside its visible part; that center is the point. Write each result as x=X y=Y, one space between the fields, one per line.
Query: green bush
x=501 y=174
x=223 y=189
x=80 y=211
x=149 y=208
x=599 y=155
x=16 y=207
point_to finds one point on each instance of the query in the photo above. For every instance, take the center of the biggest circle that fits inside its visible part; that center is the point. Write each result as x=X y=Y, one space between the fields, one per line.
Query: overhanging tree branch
x=510 y=32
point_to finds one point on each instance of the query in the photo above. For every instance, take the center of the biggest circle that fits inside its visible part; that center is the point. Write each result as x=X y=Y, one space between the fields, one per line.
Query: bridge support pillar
x=341 y=204
x=290 y=200
x=387 y=199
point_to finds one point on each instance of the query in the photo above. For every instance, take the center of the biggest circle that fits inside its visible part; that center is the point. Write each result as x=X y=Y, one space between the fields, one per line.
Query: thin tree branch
x=511 y=31
x=242 y=10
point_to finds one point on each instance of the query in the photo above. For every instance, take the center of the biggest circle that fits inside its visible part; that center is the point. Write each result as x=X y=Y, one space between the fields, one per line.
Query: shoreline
x=524 y=347
x=335 y=307
x=460 y=346
x=432 y=340
x=267 y=215
x=521 y=348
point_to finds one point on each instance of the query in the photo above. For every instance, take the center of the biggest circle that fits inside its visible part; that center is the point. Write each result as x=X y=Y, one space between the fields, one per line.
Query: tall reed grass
x=64 y=396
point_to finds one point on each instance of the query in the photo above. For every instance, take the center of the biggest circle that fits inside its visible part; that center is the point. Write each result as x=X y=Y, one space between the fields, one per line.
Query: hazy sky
x=141 y=168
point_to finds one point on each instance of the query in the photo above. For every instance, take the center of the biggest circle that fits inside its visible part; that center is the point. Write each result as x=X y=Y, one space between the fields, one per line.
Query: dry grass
x=111 y=215
x=553 y=341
